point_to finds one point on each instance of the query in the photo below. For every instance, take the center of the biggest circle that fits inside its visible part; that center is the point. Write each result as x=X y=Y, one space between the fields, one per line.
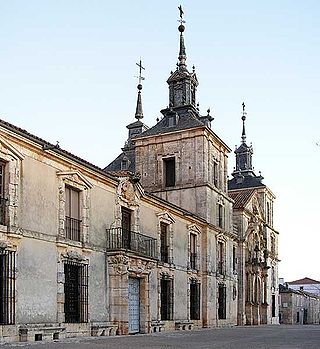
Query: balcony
x=72 y=228
x=120 y=239
x=193 y=260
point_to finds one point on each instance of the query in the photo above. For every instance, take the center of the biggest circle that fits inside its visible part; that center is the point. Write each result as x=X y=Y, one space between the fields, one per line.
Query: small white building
x=306 y=284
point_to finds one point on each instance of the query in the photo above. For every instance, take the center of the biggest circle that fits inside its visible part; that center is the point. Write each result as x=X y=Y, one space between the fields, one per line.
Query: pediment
x=75 y=177
x=166 y=217
x=194 y=228
x=7 y=150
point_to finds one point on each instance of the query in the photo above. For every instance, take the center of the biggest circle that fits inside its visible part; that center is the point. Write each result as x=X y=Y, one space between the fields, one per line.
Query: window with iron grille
x=7 y=287
x=220 y=251
x=164 y=245
x=73 y=222
x=215 y=173
x=166 y=297
x=222 y=301
x=3 y=200
x=273 y=305
x=76 y=292
x=220 y=216
x=234 y=258
x=194 y=301
x=193 y=251
x=169 y=172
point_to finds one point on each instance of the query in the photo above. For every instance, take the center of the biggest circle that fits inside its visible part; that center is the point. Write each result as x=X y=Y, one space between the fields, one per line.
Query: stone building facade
x=145 y=245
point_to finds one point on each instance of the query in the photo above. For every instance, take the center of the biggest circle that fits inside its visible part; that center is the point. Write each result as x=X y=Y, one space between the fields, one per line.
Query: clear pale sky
x=67 y=72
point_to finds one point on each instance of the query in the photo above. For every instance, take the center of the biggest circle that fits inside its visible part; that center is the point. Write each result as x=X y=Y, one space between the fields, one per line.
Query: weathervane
x=243 y=118
x=181 y=15
x=140 y=77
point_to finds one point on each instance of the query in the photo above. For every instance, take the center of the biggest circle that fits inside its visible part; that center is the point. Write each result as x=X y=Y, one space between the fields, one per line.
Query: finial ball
x=139 y=87
x=181 y=28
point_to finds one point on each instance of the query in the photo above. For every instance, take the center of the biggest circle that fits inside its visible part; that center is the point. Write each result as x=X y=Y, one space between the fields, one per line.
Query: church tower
x=126 y=160
x=258 y=252
x=181 y=159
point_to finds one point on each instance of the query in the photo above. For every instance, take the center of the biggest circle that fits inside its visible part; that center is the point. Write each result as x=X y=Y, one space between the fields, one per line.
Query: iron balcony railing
x=118 y=238
x=72 y=228
x=193 y=260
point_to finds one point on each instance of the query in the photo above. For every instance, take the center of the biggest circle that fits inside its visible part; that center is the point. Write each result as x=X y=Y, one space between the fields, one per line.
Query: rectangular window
x=215 y=174
x=193 y=251
x=76 y=292
x=220 y=216
x=172 y=120
x=166 y=297
x=73 y=221
x=126 y=227
x=273 y=305
x=164 y=246
x=194 y=301
x=169 y=172
x=222 y=301
x=220 y=258
x=3 y=200
x=7 y=287
x=234 y=258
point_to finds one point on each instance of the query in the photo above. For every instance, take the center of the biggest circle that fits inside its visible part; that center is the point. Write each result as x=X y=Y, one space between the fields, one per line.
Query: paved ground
x=262 y=337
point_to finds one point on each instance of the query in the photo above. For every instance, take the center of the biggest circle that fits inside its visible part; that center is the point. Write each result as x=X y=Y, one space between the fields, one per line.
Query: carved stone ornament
x=119 y=263
x=166 y=275
x=74 y=256
x=3 y=245
x=127 y=192
x=139 y=266
x=193 y=280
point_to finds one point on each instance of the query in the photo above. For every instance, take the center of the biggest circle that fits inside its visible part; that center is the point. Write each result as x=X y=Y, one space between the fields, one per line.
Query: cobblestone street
x=263 y=337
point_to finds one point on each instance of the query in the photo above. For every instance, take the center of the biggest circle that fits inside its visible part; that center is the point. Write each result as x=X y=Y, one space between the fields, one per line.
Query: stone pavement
x=253 y=337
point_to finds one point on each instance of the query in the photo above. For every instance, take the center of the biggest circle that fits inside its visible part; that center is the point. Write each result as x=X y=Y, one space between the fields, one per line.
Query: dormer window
x=172 y=119
x=124 y=164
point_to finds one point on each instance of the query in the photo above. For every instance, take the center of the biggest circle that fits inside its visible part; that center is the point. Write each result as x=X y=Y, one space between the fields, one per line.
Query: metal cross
x=243 y=107
x=181 y=15
x=140 y=77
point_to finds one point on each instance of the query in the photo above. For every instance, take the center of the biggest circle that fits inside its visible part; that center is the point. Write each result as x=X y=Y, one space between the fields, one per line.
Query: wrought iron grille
x=3 y=205
x=195 y=301
x=166 y=297
x=119 y=238
x=72 y=228
x=164 y=248
x=76 y=292
x=222 y=301
x=193 y=260
x=7 y=287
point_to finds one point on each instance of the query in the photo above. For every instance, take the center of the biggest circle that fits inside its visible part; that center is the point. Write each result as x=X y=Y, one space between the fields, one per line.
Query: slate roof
x=241 y=197
x=304 y=281
x=185 y=122
x=115 y=165
x=248 y=182
x=53 y=147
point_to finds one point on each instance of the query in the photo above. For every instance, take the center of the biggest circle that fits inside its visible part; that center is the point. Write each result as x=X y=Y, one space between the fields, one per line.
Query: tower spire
x=182 y=49
x=243 y=137
x=139 y=111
